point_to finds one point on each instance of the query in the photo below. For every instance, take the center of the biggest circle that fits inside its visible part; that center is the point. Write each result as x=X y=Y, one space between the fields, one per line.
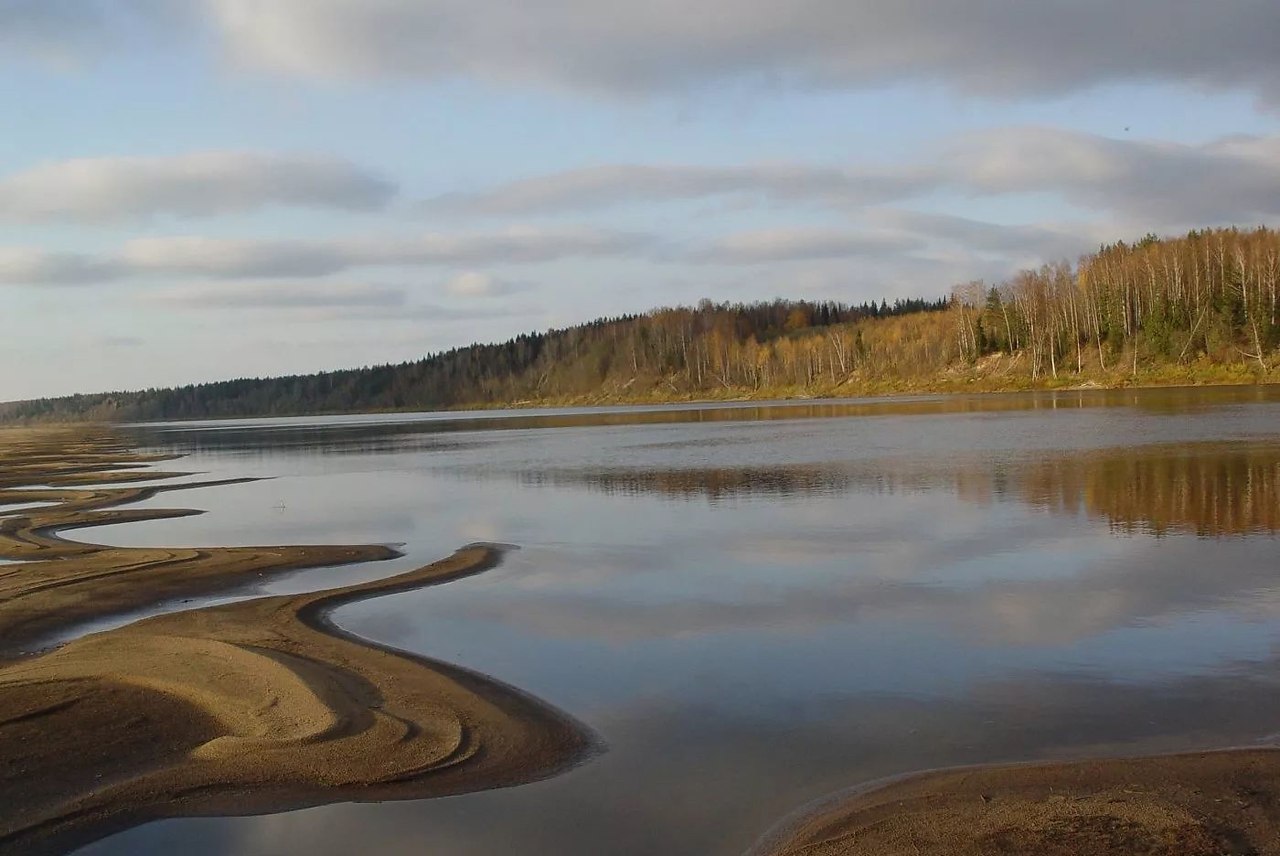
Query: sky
x=196 y=190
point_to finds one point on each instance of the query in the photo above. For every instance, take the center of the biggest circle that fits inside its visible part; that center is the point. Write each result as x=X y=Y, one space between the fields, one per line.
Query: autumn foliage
x=1201 y=308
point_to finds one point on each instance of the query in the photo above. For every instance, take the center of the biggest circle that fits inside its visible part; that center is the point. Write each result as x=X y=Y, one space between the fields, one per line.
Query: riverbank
x=59 y=479
x=252 y=707
x=991 y=375
x=1202 y=804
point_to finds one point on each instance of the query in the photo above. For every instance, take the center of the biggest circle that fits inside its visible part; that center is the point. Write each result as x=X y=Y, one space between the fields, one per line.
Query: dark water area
x=755 y=606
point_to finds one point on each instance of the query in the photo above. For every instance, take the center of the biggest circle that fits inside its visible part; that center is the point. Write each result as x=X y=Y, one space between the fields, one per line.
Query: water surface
x=754 y=606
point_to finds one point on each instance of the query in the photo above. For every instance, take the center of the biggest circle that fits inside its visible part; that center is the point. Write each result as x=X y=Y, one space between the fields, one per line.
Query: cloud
x=1160 y=186
x=201 y=184
x=1233 y=179
x=120 y=341
x=1000 y=48
x=774 y=245
x=1041 y=241
x=27 y=265
x=1003 y=48
x=276 y=295
x=241 y=258
x=434 y=313
x=261 y=259
x=323 y=302
x=475 y=284
x=618 y=184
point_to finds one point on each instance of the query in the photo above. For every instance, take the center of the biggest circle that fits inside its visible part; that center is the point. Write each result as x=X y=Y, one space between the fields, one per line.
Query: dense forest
x=1198 y=308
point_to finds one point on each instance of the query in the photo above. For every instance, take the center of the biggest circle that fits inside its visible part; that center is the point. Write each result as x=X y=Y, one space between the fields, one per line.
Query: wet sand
x=246 y=708
x=54 y=582
x=1201 y=804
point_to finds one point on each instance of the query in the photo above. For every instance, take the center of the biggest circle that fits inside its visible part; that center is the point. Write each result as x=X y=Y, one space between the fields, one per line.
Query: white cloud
x=1232 y=179
x=284 y=296
x=119 y=341
x=319 y=301
x=476 y=284
x=436 y=313
x=238 y=258
x=772 y=245
x=603 y=186
x=260 y=259
x=27 y=265
x=1043 y=242
x=112 y=189
x=1160 y=186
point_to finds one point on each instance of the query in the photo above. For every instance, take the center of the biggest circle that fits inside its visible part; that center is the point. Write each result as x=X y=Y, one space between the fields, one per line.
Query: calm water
x=755 y=607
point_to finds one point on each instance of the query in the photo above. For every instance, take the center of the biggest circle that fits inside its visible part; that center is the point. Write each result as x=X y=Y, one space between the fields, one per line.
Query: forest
x=1198 y=308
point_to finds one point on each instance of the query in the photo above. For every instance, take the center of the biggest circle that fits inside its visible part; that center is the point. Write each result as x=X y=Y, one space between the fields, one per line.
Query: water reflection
x=374 y=433
x=755 y=606
x=1027 y=588
x=711 y=484
x=1207 y=489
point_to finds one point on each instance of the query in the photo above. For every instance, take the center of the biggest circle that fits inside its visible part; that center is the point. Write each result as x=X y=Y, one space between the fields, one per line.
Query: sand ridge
x=1223 y=803
x=84 y=474
x=251 y=707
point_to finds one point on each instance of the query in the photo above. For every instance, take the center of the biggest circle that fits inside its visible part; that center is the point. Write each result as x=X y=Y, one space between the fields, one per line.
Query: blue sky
x=218 y=188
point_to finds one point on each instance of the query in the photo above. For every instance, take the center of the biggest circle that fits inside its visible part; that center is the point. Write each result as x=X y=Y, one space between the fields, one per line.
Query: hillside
x=1200 y=308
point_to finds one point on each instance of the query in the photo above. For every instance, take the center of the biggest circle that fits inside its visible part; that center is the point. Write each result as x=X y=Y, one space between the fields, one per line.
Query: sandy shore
x=1203 y=804
x=251 y=707
x=85 y=474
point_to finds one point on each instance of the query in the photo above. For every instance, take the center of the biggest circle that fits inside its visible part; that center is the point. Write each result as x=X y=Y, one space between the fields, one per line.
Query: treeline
x=1204 y=303
x=1212 y=294
x=684 y=350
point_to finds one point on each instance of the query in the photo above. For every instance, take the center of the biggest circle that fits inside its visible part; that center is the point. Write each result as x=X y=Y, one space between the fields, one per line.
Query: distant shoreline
x=887 y=391
x=760 y=397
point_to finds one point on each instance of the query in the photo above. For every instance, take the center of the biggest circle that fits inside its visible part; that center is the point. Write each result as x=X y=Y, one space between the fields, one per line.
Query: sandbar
x=1196 y=804
x=251 y=707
